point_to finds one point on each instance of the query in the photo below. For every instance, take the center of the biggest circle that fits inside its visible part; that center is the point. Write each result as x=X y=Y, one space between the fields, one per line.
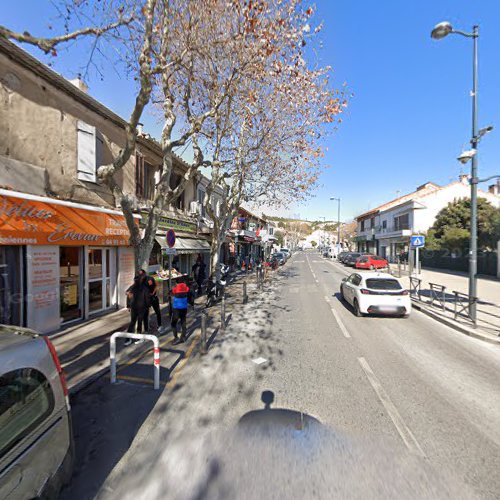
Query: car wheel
x=355 y=306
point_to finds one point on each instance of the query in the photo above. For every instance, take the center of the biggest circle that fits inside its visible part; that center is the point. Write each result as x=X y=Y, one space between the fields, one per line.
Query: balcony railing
x=392 y=228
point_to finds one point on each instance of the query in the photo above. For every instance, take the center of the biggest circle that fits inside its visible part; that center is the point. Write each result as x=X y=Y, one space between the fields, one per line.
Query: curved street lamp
x=440 y=31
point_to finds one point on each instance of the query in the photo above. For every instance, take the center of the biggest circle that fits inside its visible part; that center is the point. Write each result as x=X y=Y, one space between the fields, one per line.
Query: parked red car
x=370 y=262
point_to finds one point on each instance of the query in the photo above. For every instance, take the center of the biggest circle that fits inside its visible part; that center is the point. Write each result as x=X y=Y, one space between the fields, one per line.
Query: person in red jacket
x=181 y=297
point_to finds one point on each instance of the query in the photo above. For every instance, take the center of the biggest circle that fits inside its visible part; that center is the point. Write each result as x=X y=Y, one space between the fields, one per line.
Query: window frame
x=44 y=417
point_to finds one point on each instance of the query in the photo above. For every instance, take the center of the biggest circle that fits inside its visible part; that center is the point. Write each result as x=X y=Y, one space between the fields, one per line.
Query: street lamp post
x=338 y=220
x=440 y=31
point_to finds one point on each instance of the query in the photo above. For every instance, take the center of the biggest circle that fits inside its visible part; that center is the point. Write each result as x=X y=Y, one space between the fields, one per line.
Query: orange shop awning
x=36 y=220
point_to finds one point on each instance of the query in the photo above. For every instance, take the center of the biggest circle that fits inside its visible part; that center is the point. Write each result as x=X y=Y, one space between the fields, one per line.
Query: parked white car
x=375 y=293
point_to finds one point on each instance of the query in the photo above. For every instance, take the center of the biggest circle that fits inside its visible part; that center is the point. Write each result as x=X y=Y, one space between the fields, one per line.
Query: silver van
x=36 y=439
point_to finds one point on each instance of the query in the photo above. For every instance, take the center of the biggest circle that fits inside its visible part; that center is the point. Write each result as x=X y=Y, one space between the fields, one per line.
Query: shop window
x=155 y=254
x=26 y=400
x=99 y=275
x=11 y=299
x=70 y=282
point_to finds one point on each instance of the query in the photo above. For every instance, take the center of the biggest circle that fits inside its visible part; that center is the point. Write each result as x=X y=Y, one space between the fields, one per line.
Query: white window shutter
x=86 y=167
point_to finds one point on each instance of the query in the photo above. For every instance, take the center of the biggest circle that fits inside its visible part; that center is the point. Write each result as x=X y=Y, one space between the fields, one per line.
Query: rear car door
x=355 y=281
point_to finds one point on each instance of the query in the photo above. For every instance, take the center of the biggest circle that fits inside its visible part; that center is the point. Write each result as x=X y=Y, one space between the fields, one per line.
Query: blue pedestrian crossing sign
x=417 y=241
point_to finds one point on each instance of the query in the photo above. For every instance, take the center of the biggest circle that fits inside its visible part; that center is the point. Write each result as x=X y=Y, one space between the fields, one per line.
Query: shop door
x=101 y=278
x=71 y=273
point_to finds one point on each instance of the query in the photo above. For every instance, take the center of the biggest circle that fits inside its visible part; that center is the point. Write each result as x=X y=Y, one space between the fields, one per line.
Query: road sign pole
x=417 y=264
x=169 y=272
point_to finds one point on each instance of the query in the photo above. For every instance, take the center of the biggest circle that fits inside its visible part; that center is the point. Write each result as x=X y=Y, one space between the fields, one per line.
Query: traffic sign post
x=170 y=251
x=417 y=241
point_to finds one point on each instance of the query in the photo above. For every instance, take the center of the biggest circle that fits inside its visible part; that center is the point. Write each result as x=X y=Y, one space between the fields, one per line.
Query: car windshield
x=383 y=284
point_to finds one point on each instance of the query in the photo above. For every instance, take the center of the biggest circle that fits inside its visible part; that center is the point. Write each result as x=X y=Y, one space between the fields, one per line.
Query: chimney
x=464 y=179
x=80 y=84
x=494 y=188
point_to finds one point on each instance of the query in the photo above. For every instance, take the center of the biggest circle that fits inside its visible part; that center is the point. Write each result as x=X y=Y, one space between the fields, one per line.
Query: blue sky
x=411 y=112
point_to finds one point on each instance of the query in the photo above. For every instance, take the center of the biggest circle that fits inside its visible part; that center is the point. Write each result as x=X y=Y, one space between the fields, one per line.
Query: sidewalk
x=488 y=307
x=84 y=349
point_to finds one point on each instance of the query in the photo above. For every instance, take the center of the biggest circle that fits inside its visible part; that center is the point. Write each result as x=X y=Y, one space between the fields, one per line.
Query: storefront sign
x=126 y=267
x=165 y=223
x=40 y=222
x=43 y=300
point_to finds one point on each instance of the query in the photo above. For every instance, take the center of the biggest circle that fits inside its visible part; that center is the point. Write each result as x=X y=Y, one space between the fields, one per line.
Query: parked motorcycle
x=216 y=287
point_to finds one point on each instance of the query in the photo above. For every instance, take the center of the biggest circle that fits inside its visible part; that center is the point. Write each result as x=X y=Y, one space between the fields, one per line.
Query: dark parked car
x=351 y=259
x=341 y=255
x=280 y=257
x=36 y=440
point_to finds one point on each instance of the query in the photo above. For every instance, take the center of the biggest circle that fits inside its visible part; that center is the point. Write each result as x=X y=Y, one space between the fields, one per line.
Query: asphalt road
x=402 y=399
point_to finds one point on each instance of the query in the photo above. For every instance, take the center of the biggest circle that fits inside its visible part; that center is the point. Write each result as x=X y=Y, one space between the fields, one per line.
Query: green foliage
x=314 y=244
x=431 y=242
x=279 y=236
x=455 y=238
x=456 y=216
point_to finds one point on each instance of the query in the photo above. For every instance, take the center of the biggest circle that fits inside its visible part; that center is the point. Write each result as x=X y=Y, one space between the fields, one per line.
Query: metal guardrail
x=438 y=294
x=137 y=336
x=463 y=304
x=415 y=286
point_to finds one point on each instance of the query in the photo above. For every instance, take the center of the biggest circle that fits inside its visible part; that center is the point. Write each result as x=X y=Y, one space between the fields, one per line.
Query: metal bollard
x=223 y=314
x=245 y=296
x=203 y=332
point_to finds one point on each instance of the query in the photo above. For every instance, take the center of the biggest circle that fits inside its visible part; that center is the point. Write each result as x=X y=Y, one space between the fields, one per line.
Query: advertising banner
x=42 y=276
x=25 y=221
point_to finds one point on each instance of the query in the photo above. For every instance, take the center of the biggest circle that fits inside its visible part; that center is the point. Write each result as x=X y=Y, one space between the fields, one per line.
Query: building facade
x=64 y=249
x=386 y=230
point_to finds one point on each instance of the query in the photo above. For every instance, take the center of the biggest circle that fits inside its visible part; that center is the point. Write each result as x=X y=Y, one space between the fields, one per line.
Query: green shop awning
x=186 y=245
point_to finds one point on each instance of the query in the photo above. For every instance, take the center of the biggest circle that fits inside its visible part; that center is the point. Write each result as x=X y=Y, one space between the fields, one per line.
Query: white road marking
x=297 y=261
x=404 y=431
x=259 y=361
x=341 y=325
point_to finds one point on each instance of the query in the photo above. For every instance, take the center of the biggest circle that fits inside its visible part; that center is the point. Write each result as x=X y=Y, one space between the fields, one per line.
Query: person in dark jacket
x=153 y=297
x=199 y=273
x=138 y=303
x=181 y=297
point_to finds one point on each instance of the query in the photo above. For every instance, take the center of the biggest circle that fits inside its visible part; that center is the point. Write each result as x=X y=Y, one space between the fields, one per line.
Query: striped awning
x=186 y=245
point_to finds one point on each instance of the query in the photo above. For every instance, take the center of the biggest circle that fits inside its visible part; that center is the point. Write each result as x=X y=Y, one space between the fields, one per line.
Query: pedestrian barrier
x=438 y=294
x=137 y=336
x=415 y=284
x=463 y=304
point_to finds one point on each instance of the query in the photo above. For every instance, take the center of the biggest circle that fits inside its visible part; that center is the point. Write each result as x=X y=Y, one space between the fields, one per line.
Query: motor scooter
x=216 y=288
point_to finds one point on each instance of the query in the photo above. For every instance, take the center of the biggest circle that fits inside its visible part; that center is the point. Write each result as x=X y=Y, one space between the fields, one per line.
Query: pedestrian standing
x=181 y=297
x=138 y=303
x=199 y=273
x=153 y=296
